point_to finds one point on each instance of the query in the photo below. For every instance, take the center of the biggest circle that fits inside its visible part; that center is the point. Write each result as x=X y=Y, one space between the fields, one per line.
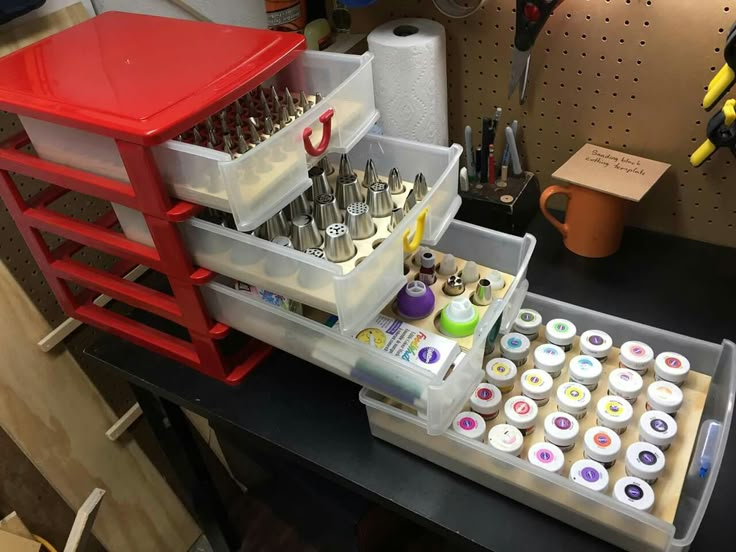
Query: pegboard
x=626 y=74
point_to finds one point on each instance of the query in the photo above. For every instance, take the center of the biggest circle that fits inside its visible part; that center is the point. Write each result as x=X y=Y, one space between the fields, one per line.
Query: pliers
x=531 y=15
x=721 y=132
x=724 y=79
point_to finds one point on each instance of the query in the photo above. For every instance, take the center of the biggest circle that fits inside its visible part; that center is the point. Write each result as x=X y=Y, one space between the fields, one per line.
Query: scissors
x=721 y=133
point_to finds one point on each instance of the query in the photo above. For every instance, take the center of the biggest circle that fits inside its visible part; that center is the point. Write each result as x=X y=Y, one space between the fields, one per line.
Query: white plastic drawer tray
x=596 y=513
x=255 y=185
x=438 y=399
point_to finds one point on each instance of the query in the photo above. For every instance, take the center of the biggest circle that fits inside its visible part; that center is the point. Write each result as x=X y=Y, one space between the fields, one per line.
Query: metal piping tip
x=317 y=98
x=303 y=102
x=326 y=166
x=290 y=102
x=238 y=107
x=283 y=240
x=209 y=123
x=420 y=187
x=268 y=126
x=370 y=175
x=223 y=121
x=255 y=136
x=264 y=105
x=228 y=145
x=242 y=144
x=448 y=265
x=284 y=118
x=395 y=184
x=326 y=211
x=210 y=145
x=249 y=103
x=319 y=181
x=346 y=169
x=197 y=136
x=409 y=202
x=212 y=136
x=483 y=294
x=238 y=120
x=348 y=191
x=359 y=221
x=299 y=206
x=454 y=286
x=277 y=225
x=304 y=233
x=397 y=215
x=277 y=104
x=315 y=252
x=379 y=200
x=339 y=246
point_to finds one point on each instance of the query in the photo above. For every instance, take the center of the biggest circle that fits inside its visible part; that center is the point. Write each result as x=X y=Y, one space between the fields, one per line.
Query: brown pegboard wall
x=626 y=74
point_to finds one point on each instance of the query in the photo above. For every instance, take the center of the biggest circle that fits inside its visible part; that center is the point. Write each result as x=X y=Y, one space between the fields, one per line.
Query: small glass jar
x=515 y=347
x=625 y=383
x=501 y=372
x=657 y=428
x=634 y=492
x=561 y=430
x=470 y=424
x=486 y=401
x=614 y=413
x=636 y=356
x=506 y=438
x=546 y=456
x=596 y=343
x=671 y=367
x=585 y=370
x=521 y=412
x=573 y=399
x=549 y=358
x=561 y=332
x=590 y=474
x=537 y=385
x=664 y=396
x=527 y=323
x=602 y=445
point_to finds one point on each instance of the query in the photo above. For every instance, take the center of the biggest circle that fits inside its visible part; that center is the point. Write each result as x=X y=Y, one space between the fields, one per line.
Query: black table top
x=291 y=408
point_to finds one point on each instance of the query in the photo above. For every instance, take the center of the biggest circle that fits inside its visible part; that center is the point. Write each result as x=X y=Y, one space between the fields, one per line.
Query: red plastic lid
x=140 y=78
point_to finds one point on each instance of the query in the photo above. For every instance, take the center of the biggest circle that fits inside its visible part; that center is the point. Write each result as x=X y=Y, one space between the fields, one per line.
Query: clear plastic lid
x=560 y=331
x=595 y=343
x=561 y=428
x=590 y=474
x=672 y=367
x=657 y=427
x=515 y=346
x=486 y=399
x=528 y=321
x=634 y=492
x=521 y=411
x=573 y=396
x=585 y=369
x=506 y=438
x=549 y=357
x=536 y=384
x=602 y=444
x=469 y=424
x=547 y=456
x=636 y=354
x=665 y=396
x=625 y=382
x=614 y=412
x=500 y=371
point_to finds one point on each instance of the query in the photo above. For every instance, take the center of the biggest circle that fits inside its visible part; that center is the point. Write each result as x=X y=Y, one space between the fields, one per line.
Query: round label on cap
x=550 y=351
x=591 y=475
x=428 y=355
x=561 y=327
x=562 y=423
x=522 y=408
x=467 y=423
x=585 y=363
x=574 y=393
x=534 y=380
x=545 y=456
x=500 y=368
x=625 y=376
x=634 y=492
x=673 y=362
x=484 y=393
x=508 y=438
x=527 y=316
x=659 y=425
x=514 y=342
x=602 y=440
x=614 y=408
x=662 y=392
x=637 y=350
x=647 y=458
x=595 y=339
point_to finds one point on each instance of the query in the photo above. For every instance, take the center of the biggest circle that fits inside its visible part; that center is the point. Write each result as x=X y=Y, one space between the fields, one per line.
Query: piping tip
x=290 y=102
x=379 y=200
x=303 y=102
x=470 y=272
x=249 y=103
x=283 y=240
x=299 y=206
x=212 y=136
x=197 y=136
x=255 y=136
x=409 y=202
x=276 y=102
x=228 y=146
x=264 y=105
x=326 y=211
x=304 y=233
x=326 y=166
x=238 y=106
x=370 y=175
x=242 y=144
x=359 y=222
x=277 y=225
x=454 y=286
x=397 y=215
x=319 y=181
x=223 y=121
x=268 y=126
x=395 y=184
x=482 y=296
x=420 y=187
x=339 y=246
x=209 y=124
x=238 y=120
x=348 y=191
x=346 y=169
x=448 y=265
x=317 y=98
x=315 y=252
x=284 y=119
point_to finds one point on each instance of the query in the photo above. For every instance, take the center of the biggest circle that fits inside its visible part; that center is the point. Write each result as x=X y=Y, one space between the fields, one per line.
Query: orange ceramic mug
x=594 y=221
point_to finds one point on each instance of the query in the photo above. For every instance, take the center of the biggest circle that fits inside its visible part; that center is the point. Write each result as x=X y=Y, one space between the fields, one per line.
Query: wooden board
x=13 y=524
x=18 y=36
x=56 y=416
x=13 y=543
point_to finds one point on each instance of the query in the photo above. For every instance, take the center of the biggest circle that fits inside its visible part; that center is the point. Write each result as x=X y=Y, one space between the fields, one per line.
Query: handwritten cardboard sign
x=612 y=172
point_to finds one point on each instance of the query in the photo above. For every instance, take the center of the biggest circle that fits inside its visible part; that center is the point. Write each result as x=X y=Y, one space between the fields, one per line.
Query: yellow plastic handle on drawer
x=412 y=245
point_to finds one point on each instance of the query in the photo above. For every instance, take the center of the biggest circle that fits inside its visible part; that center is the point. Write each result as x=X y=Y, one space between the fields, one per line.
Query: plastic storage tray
x=595 y=513
x=436 y=398
x=256 y=184
x=356 y=296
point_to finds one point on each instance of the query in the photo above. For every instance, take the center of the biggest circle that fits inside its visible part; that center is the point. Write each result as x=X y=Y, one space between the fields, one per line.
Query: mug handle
x=544 y=198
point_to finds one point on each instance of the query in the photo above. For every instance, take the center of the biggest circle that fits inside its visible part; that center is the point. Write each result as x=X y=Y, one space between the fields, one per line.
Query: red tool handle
x=326 y=120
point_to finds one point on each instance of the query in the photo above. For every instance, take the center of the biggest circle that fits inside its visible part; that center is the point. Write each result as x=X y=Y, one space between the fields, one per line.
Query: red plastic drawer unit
x=141 y=81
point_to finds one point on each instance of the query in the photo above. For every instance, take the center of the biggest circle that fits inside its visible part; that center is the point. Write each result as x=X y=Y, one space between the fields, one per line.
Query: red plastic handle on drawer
x=326 y=120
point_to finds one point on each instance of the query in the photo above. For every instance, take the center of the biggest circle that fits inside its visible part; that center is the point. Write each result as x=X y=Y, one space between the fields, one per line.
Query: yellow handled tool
x=724 y=79
x=721 y=132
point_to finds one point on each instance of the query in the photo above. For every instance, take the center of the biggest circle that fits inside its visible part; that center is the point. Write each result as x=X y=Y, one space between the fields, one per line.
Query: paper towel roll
x=410 y=79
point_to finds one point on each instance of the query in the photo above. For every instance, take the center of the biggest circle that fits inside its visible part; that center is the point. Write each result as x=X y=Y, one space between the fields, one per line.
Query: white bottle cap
x=560 y=331
x=486 y=399
x=561 y=429
x=496 y=279
x=601 y=444
x=515 y=346
x=664 y=396
x=614 y=412
x=590 y=474
x=547 y=456
x=671 y=367
x=528 y=322
x=573 y=398
x=506 y=438
x=501 y=372
x=644 y=460
x=470 y=424
x=595 y=343
x=634 y=492
x=636 y=355
x=521 y=412
x=536 y=384
x=549 y=358
x=625 y=383
x=585 y=369
x=658 y=428
x=470 y=272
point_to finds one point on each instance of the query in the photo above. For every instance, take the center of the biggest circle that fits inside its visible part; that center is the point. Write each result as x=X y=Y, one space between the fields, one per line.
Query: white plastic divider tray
x=355 y=296
x=596 y=513
x=437 y=399
x=258 y=183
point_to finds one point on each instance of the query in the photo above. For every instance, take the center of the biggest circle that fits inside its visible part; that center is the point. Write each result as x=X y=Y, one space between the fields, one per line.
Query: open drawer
x=596 y=513
x=437 y=398
x=257 y=183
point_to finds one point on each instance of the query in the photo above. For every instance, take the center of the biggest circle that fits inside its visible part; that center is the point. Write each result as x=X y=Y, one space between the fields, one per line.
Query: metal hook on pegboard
x=452 y=8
